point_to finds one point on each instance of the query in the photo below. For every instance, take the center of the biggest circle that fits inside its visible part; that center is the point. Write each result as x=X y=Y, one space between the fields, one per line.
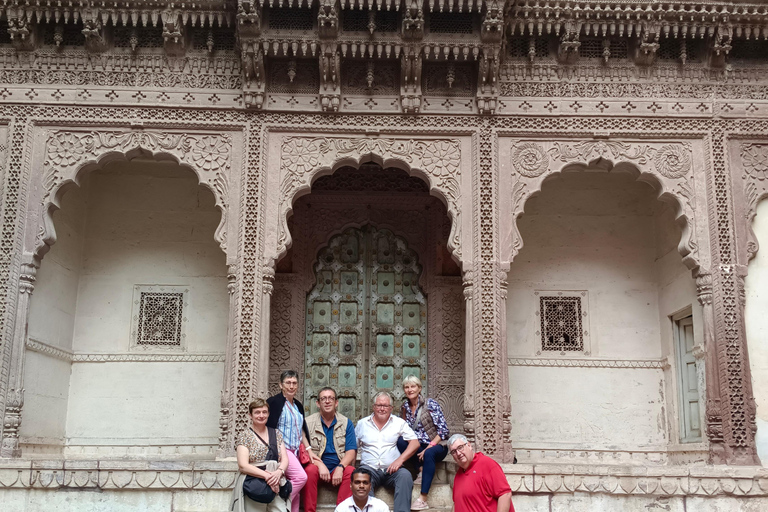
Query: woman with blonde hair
x=427 y=420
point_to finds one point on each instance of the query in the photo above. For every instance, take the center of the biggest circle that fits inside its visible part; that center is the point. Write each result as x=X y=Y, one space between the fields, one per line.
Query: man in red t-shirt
x=480 y=484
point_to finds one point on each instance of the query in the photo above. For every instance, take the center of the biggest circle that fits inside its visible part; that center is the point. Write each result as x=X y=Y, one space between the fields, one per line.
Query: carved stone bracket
x=648 y=45
x=410 y=80
x=67 y=152
x=251 y=54
x=303 y=158
x=670 y=165
x=173 y=32
x=413 y=22
x=330 y=77
x=21 y=30
x=328 y=19
x=93 y=31
x=488 y=79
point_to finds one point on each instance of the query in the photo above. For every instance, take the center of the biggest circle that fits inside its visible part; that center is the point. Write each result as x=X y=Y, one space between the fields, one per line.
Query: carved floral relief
x=754 y=164
x=670 y=163
x=209 y=155
x=301 y=158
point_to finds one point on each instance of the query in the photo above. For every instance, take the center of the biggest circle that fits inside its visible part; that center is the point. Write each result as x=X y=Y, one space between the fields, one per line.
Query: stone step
x=440 y=497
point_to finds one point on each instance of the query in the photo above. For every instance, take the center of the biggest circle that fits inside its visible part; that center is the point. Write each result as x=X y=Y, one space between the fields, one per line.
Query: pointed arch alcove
x=369 y=199
x=602 y=240
x=131 y=226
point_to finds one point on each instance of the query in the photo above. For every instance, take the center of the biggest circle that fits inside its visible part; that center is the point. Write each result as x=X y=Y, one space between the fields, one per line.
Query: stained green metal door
x=366 y=320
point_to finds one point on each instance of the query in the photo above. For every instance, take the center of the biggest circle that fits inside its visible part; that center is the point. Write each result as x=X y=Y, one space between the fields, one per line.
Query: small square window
x=158 y=318
x=562 y=321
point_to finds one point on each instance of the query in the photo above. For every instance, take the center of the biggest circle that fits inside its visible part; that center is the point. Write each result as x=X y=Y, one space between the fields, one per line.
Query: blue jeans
x=432 y=456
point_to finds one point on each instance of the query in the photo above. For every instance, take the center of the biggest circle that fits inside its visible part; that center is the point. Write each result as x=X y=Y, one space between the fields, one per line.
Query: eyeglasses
x=327 y=399
x=458 y=449
x=382 y=406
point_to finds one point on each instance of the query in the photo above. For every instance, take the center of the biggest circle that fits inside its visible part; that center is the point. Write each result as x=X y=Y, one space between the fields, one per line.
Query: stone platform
x=205 y=486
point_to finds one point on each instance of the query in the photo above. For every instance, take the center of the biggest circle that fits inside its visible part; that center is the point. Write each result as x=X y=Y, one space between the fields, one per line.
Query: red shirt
x=478 y=488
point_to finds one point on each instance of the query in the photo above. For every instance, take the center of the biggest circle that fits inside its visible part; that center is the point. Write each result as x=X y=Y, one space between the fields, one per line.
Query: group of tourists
x=283 y=455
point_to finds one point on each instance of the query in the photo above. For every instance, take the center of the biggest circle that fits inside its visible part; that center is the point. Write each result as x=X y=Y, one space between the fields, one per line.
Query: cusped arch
x=667 y=167
x=70 y=155
x=305 y=159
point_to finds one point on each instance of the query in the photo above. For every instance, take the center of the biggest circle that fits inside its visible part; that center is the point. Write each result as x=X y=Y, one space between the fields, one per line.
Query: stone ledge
x=638 y=480
x=523 y=478
x=116 y=474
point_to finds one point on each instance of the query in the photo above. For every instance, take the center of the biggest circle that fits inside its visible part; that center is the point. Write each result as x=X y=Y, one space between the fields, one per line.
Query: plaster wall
x=756 y=285
x=602 y=233
x=147 y=224
x=54 y=301
x=51 y=321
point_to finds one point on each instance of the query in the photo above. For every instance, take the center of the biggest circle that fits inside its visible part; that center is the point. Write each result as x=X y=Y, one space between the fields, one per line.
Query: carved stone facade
x=282 y=113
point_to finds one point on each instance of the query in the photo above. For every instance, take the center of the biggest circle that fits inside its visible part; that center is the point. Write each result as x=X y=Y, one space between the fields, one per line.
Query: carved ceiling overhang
x=445 y=50
x=668 y=166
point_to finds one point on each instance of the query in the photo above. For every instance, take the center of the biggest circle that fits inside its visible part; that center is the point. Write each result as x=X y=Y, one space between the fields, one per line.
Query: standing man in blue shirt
x=332 y=436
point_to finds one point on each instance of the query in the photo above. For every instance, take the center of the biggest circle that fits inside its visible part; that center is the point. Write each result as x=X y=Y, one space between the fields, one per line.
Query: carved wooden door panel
x=366 y=320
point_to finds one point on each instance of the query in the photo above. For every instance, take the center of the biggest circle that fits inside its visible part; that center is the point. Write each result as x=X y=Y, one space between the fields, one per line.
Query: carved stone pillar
x=469 y=358
x=730 y=412
x=14 y=401
x=506 y=400
x=714 y=420
x=226 y=418
x=262 y=358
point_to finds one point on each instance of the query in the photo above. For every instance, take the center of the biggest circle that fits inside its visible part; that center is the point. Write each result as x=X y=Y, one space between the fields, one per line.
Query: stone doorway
x=366 y=319
x=373 y=206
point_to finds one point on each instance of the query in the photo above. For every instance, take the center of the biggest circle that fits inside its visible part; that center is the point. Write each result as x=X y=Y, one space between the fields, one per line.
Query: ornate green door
x=366 y=320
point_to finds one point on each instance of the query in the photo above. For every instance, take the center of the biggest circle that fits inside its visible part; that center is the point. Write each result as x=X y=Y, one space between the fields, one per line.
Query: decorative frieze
x=66 y=151
x=536 y=479
x=670 y=163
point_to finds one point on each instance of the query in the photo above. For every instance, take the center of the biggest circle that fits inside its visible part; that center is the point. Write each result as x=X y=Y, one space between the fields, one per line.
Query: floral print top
x=438 y=418
x=257 y=451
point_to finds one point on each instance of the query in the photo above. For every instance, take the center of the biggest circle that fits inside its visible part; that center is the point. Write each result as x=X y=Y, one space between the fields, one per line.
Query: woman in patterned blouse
x=427 y=420
x=259 y=444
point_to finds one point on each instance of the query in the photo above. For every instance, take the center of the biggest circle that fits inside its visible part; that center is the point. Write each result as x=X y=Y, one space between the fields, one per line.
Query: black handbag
x=258 y=490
